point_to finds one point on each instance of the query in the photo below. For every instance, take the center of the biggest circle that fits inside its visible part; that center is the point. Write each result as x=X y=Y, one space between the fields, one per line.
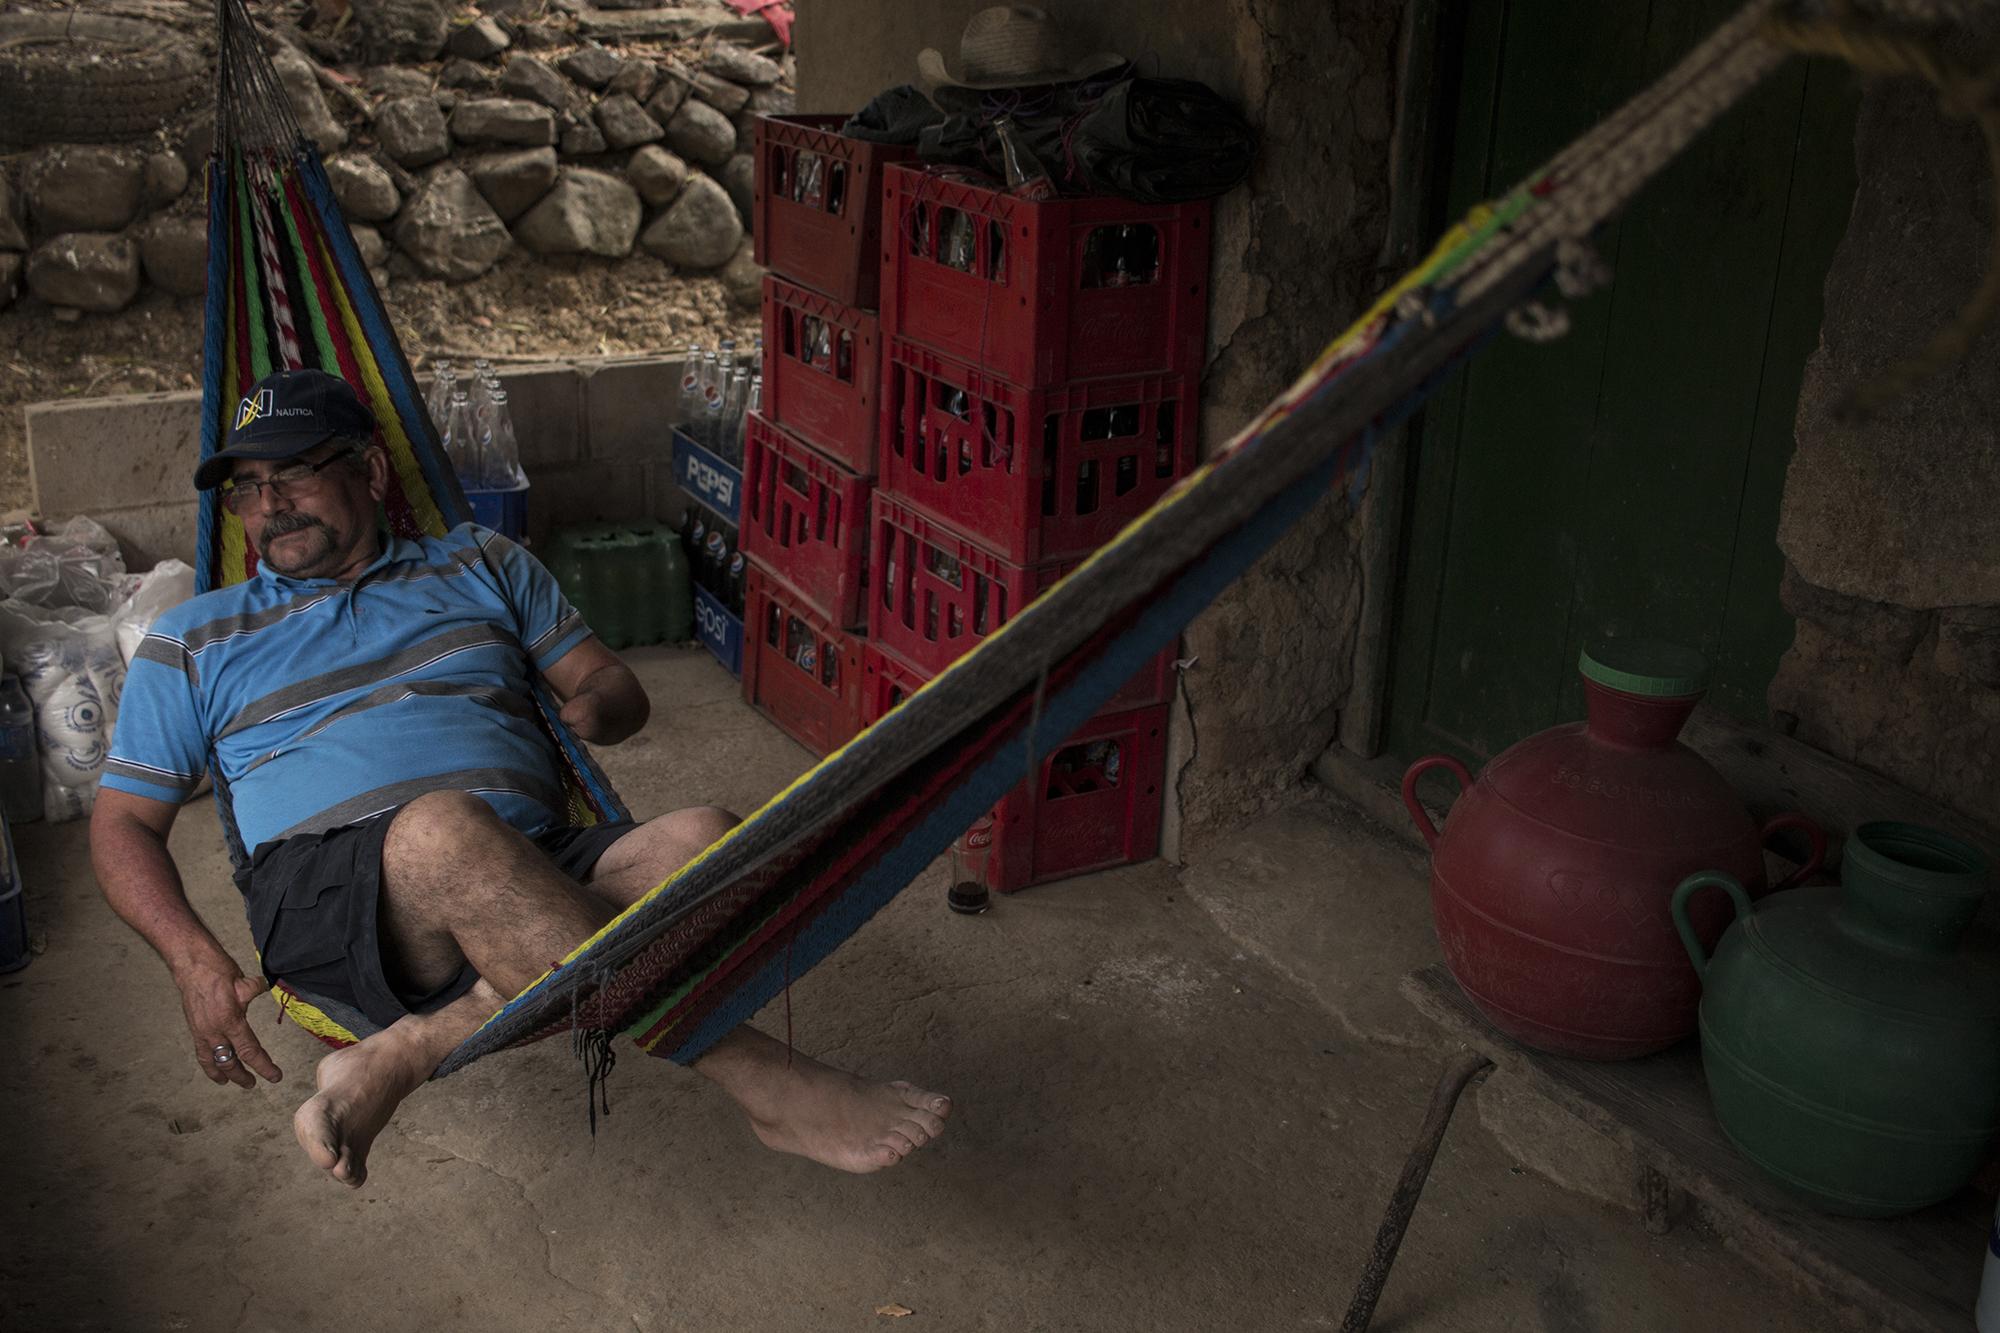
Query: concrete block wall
x=593 y=437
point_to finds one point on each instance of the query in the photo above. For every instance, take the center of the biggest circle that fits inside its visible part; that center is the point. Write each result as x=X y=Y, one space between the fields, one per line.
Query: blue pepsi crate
x=720 y=632
x=713 y=482
x=506 y=512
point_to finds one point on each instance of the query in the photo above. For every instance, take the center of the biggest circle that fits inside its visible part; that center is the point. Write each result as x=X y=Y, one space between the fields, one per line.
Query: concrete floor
x=1182 y=1100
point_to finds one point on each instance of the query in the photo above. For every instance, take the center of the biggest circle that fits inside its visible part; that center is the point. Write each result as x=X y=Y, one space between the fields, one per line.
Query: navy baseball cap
x=286 y=414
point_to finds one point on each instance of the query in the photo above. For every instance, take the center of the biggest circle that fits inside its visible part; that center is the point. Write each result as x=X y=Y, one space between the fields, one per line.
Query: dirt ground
x=1156 y=1127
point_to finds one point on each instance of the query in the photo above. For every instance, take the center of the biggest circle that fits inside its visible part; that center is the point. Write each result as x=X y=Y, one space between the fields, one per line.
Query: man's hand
x=603 y=701
x=216 y=1001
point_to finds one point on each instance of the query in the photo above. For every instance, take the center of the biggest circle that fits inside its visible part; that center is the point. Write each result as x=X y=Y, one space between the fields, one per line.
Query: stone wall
x=444 y=161
x=1891 y=526
x=1295 y=256
x=592 y=443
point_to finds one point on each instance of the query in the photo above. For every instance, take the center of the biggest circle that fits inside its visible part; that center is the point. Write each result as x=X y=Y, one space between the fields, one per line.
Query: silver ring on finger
x=224 y=1054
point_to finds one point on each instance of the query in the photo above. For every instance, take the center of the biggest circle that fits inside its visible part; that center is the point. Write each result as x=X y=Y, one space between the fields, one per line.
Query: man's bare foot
x=798 y=1105
x=360 y=1087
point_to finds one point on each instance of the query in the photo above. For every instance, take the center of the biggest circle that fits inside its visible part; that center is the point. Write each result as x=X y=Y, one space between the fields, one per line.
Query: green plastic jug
x=1851 y=1035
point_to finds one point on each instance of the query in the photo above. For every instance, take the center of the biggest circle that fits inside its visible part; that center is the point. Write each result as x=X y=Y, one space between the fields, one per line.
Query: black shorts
x=313 y=901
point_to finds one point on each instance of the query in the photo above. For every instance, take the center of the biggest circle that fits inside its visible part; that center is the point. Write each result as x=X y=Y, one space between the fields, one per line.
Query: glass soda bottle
x=20 y=764
x=970 y=855
x=690 y=401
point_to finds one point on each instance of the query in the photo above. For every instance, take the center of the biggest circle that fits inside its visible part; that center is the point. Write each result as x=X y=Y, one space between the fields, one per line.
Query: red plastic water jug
x=1552 y=881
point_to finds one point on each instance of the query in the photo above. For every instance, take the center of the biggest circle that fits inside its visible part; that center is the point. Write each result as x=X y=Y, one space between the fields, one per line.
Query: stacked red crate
x=1039 y=389
x=809 y=458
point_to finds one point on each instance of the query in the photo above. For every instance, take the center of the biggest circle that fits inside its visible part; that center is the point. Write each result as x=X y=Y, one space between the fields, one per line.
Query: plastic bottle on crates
x=20 y=764
x=503 y=452
x=715 y=558
x=711 y=395
x=690 y=402
x=734 y=580
x=437 y=398
x=461 y=439
x=695 y=535
x=734 y=405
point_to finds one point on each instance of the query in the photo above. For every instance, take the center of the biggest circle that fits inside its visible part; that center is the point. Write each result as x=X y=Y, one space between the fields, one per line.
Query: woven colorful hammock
x=731 y=929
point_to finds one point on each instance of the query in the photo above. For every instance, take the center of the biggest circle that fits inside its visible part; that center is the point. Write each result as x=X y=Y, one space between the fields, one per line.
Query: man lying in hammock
x=364 y=704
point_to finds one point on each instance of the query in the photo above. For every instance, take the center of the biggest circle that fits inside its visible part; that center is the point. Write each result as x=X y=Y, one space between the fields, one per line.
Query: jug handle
x=1701 y=880
x=1815 y=838
x=1415 y=806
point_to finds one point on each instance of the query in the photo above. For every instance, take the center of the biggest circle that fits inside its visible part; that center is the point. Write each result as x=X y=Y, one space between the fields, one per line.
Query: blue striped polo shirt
x=323 y=703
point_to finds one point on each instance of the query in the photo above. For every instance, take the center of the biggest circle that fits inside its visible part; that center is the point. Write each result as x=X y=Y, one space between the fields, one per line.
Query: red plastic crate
x=1072 y=820
x=1035 y=474
x=1084 y=813
x=822 y=368
x=1044 y=293
x=805 y=519
x=934 y=595
x=831 y=239
x=798 y=670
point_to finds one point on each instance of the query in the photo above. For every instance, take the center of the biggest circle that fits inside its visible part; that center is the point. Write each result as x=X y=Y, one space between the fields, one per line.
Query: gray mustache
x=289 y=521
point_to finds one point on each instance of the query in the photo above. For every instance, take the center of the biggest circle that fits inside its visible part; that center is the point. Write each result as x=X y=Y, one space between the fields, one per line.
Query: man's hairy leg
x=458 y=886
x=795 y=1103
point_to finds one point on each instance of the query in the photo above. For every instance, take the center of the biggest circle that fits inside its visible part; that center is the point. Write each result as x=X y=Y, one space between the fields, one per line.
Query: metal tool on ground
x=1463 y=1068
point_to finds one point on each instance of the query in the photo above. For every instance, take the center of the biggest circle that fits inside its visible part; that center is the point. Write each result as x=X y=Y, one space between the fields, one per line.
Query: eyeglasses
x=288 y=483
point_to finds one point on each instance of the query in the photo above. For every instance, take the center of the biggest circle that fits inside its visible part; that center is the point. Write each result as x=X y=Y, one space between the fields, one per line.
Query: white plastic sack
x=69 y=663
x=76 y=565
x=170 y=583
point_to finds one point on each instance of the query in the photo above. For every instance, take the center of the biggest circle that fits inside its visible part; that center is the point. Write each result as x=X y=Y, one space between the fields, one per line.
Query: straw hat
x=1010 y=46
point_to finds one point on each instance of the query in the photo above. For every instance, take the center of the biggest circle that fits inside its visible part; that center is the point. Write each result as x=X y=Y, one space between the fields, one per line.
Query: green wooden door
x=1624 y=480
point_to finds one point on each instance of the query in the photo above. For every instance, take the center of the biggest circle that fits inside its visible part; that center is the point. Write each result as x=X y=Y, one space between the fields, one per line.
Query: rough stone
x=701 y=134
x=83 y=188
x=504 y=120
x=10 y=278
x=1969 y=644
x=412 y=131
x=301 y=85
x=481 y=39
x=737 y=65
x=174 y=252
x=657 y=175
x=465 y=74
x=1899 y=507
x=162 y=180
x=773 y=101
x=513 y=180
x=197 y=140
x=363 y=188
x=535 y=38
x=393 y=30
x=86 y=271
x=739 y=178
x=726 y=97
x=744 y=123
x=450 y=230
x=13 y=235
x=532 y=78
x=370 y=243
x=592 y=65
x=581 y=138
x=743 y=277
x=1871 y=627
x=636 y=79
x=587 y=213
x=625 y=123
x=699 y=230
x=666 y=99
x=386 y=81
x=406 y=184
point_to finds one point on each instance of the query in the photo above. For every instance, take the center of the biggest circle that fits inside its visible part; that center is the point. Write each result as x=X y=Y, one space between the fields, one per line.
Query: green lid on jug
x=1651 y=668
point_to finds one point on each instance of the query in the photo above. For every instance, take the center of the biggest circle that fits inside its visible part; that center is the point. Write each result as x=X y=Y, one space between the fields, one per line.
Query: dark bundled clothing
x=1158 y=141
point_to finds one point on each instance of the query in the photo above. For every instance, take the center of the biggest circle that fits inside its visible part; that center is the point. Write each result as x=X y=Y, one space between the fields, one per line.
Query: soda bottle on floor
x=969 y=857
